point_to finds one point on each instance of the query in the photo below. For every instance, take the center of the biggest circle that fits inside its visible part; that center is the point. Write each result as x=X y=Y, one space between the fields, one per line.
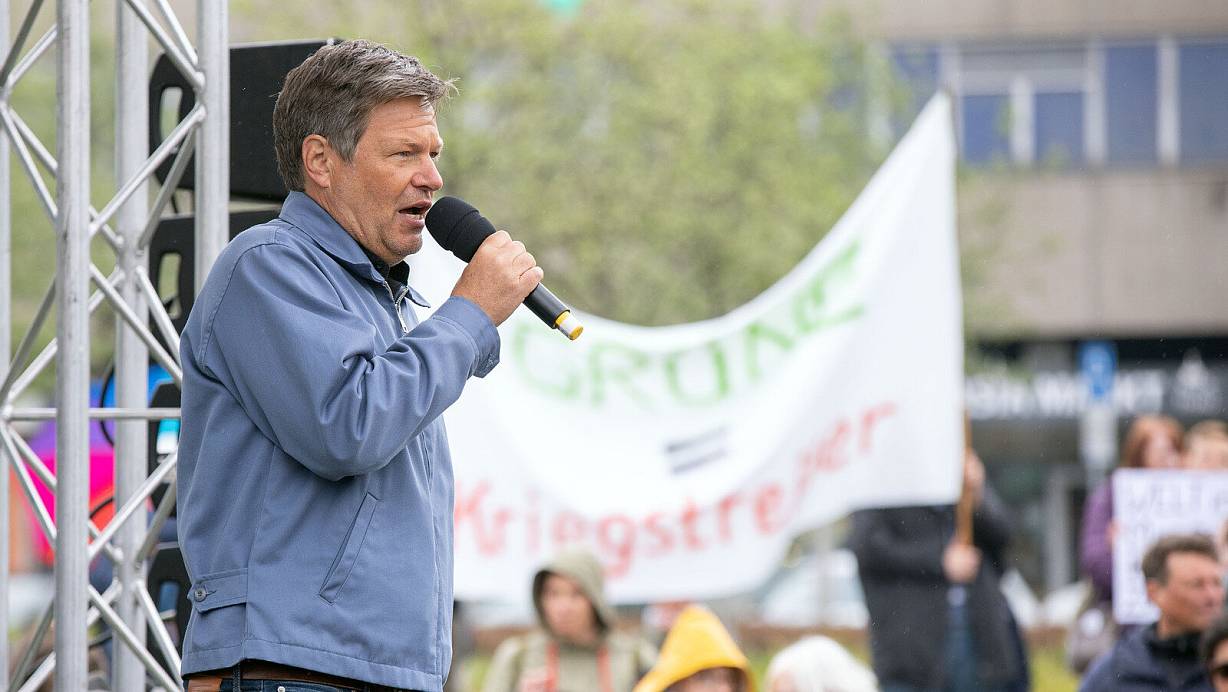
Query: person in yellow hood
x=698 y=655
x=576 y=648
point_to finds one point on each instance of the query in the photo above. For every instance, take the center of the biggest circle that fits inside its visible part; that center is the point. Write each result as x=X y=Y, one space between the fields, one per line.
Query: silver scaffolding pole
x=212 y=180
x=131 y=354
x=128 y=541
x=72 y=333
x=6 y=220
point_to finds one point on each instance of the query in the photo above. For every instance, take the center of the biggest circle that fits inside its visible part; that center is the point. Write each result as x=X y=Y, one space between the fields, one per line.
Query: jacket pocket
x=219 y=589
x=343 y=564
x=219 y=614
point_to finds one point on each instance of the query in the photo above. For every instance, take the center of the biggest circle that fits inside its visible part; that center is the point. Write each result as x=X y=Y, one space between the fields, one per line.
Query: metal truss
x=127 y=223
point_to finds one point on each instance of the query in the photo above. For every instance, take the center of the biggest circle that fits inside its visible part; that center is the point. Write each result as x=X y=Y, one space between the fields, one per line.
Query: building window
x=986 y=131
x=1138 y=102
x=917 y=68
x=1022 y=102
x=1130 y=103
x=1059 y=129
x=1203 y=85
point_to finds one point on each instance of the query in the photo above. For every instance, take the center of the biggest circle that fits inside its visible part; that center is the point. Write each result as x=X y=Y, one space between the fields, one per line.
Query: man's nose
x=428 y=177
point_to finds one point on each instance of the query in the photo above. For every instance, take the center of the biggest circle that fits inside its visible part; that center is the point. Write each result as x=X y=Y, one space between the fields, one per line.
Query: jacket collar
x=304 y=213
x=1182 y=646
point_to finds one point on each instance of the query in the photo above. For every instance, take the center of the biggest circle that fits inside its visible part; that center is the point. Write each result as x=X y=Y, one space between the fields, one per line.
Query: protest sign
x=1148 y=504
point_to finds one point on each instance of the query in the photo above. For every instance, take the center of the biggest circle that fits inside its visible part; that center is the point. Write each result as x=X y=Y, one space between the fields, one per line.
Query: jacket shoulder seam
x=208 y=328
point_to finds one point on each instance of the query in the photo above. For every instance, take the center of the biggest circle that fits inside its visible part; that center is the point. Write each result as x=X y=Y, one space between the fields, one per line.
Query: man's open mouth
x=417 y=209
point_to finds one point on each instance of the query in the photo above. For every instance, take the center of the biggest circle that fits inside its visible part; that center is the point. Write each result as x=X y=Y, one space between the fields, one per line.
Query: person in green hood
x=576 y=648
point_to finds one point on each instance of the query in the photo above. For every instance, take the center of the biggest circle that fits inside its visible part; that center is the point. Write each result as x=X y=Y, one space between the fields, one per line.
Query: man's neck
x=1166 y=629
x=381 y=265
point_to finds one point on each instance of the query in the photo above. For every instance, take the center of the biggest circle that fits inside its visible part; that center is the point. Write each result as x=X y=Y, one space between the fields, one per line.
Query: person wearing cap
x=699 y=656
x=576 y=648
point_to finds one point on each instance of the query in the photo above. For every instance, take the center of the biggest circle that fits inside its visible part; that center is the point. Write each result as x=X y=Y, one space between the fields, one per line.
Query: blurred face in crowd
x=1219 y=667
x=1192 y=595
x=1221 y=545
x=568 y=612
x=1160 y=453
x=1207 y=453
x=710 y=680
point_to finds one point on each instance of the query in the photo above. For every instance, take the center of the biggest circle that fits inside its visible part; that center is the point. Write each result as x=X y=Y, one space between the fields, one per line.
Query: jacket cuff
x=477 y=325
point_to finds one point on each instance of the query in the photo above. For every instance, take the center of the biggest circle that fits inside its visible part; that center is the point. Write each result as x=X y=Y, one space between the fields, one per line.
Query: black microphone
x=458 y=227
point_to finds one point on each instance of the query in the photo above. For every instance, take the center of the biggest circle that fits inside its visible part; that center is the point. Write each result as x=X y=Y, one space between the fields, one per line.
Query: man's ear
x=1153 y=590
x=317 y=163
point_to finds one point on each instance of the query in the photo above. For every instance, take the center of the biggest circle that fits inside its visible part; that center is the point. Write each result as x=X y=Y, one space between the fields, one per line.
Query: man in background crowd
x=1185 y=581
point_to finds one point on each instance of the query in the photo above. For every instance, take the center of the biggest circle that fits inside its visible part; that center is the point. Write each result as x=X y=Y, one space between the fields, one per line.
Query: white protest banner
x=1148 y=504
x=687 y=457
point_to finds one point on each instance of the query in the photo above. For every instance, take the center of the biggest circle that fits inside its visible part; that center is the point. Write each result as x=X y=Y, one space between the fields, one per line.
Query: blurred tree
x=665 y=161
x=33 y=238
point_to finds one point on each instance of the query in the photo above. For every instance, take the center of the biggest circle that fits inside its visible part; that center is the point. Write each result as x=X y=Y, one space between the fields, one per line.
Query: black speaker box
x=176 y=236
x=256 y=75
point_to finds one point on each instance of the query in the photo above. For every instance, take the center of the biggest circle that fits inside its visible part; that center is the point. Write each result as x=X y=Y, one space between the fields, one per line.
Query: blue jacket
x=1140 y=662
x=315 y=483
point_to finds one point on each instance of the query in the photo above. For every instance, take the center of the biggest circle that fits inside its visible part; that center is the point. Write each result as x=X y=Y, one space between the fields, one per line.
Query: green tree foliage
x=666 y=161
x=33 y=260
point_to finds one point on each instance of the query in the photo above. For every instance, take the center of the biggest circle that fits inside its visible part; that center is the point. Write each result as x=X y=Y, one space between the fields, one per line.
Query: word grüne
x=705 y=374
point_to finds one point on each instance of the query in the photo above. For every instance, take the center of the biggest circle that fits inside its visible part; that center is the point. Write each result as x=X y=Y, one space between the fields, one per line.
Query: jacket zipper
x=396 y=305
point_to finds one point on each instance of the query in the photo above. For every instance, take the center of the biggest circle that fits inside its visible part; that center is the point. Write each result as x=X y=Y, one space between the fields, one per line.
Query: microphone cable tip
x=569 y=325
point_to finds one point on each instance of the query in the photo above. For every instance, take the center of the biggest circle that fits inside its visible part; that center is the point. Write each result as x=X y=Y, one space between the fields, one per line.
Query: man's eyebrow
x=411 y=145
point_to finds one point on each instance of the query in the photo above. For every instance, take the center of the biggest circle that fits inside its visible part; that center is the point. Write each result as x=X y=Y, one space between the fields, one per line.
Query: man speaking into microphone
x=316 y=492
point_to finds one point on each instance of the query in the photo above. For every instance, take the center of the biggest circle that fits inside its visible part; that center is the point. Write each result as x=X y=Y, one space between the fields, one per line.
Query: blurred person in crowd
x=698 y=656
x=1184 y=581
x=938 y=619
x=1153 y=442
x=1221 y=545
x=818 y=664
x=1206 y=446
x=576 y=648
x=1214 y=651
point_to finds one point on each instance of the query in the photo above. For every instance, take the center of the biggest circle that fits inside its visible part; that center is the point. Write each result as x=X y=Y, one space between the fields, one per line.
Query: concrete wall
x=1114 y=253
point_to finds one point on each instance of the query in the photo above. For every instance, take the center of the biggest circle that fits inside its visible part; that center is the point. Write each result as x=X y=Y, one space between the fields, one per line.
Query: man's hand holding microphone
x=501 y=273
x=499 y=277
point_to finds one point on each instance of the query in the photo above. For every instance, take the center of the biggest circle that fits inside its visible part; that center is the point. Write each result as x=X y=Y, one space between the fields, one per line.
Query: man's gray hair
x=332 y=94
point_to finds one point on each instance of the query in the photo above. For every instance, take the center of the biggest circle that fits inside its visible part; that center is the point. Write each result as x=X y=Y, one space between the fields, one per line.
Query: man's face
x=1192 y=596
x=1218 y=667
x=382 y=195
x=568 y=612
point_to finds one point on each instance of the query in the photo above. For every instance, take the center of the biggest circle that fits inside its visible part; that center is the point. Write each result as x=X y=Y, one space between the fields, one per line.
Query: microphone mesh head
x=457 y=226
